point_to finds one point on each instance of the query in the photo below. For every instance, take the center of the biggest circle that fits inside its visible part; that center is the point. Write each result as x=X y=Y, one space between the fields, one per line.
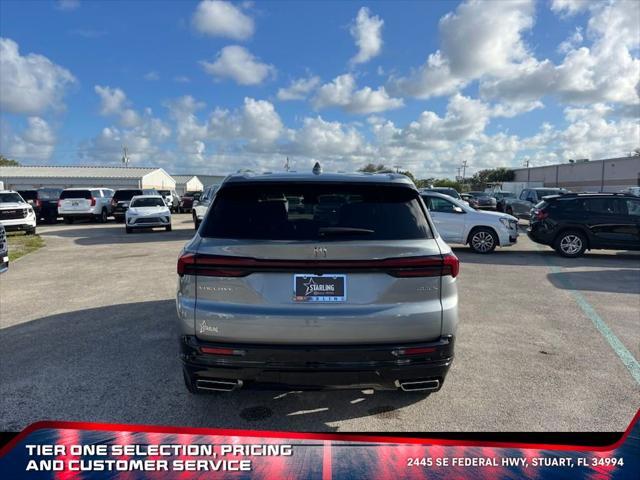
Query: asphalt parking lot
x=88 y=334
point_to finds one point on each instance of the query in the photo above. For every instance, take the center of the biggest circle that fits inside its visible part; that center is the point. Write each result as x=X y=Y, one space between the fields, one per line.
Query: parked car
x=200 y=206
x=575 y=222
x=459 y=223
x=364 y=299
x=186 y=201
x=501 y=198
x=121 y=199
x=85 y=203
x=4 y=250
x=484 y=200
x=171 y=198
x=452 y=192
x=15 y=213
x=44 y=202
x=147 y=211
x=633 y=191
x=470 y=199
x=521 y=207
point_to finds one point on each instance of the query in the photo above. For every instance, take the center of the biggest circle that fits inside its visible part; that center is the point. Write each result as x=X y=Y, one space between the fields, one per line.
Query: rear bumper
x=4 y=262
x=313 y=367
x=541 y=235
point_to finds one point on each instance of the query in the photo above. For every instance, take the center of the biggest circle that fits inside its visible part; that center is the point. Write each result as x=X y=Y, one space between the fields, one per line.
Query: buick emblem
x=320 y=252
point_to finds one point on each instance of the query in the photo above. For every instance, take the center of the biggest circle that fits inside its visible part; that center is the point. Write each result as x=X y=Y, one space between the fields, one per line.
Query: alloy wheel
x=482 y=241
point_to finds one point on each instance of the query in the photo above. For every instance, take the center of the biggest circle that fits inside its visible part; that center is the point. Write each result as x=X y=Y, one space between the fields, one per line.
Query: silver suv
x=352 y=288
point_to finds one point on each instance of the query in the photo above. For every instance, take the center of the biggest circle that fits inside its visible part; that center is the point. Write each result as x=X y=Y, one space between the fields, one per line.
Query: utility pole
x=397 y=168
x=526 y=164
x=286 y=165
x=125 y=156
x=464 y=170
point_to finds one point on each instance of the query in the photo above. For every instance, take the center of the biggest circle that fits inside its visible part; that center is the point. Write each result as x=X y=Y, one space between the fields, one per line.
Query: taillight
x=540 y=214
x=225 y=266
x=113 y=203
x=59 y=203
x=221 y=351
x=93 y=202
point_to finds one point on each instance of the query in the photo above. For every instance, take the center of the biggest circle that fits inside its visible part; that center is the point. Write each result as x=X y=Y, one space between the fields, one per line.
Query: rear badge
x=204 y=328
x=319 y=288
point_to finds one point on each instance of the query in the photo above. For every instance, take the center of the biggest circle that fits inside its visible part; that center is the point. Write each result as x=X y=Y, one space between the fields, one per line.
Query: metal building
x=187 y=183
x=28 y=177
x=608 y=175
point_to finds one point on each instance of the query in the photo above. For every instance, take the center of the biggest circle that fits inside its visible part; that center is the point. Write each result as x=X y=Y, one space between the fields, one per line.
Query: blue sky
x=205 y=86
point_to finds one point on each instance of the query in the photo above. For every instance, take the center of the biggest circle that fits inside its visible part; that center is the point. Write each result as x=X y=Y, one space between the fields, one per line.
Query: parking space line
x=623 y=353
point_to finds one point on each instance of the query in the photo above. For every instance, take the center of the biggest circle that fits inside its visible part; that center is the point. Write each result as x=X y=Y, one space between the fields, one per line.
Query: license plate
x=319 y=288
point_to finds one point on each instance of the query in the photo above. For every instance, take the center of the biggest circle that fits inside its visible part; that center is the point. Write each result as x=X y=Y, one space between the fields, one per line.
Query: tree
x=5 y=162
x=480 y=179
x=380 y=168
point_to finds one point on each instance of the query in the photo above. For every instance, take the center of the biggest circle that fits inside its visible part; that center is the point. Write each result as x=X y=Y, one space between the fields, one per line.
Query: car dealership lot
x=88 y=333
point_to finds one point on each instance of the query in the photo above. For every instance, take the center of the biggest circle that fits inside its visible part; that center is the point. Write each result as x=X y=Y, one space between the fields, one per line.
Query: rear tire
x=30 y=231
x=483 y=240
x=68 y=220
x=103 y=217
x=196 y=224
x=168 y=228
x=509 y=211
x=128 y=229
x=570 y=244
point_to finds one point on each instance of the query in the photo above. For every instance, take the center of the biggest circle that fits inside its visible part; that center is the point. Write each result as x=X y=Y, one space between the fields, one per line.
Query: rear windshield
x=29 y=194
x=147 y=202
x=545 y=193
x=75 y=194
x=10 y=198
x=122 y=195
x=49 y=193
x=316 y=211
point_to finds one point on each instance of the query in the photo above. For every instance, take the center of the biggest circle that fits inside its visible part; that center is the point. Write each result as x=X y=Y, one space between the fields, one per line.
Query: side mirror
x=458 y=209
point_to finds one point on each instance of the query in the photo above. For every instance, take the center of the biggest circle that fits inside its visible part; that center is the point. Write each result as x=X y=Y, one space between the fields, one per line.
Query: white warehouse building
x=187 y=183
x=28 y=177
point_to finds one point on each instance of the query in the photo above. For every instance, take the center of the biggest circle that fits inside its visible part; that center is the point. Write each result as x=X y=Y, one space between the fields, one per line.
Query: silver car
x=361 y=295
x=4 y=250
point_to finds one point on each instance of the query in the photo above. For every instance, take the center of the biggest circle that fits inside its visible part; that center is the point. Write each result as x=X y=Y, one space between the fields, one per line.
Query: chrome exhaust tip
x=218 y=385
x=419 y=386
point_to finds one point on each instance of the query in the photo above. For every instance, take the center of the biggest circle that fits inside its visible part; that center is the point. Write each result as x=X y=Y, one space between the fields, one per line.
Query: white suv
x=457 y=222
x=92 y=203
x=15 y=213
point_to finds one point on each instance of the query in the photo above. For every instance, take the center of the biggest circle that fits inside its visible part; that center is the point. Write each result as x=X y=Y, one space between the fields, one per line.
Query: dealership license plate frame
x=338 y=278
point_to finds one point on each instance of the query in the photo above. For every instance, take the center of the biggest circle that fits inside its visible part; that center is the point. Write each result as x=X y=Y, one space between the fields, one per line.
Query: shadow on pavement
x=120 y=364
x=110 y=234
x=614 y=281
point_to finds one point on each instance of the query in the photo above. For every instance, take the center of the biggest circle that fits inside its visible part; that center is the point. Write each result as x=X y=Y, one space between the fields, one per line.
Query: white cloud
x=366 y=30
x=181 y=79
x=239 y=64
x=498 y=48
x=112 y=100
x=605 y=71
x=222 y=19
x=570 y=7
x=152 y=76
x=572 y=42
x=30 y=84
x=298 y=89
x=342 y=92
x=35 y=143
x=67 y=5
x=257 y=123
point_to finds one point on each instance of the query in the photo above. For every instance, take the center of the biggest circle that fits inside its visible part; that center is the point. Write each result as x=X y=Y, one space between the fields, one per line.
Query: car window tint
x=441 y=205
x=523 y=194
x=96 y=193
x=322 y=211
x=603 y=206
x=631 y=207
x=75 y=194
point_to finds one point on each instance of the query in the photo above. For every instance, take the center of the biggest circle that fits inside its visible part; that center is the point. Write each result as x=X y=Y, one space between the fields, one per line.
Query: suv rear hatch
x=362 y=268
x=76 y=200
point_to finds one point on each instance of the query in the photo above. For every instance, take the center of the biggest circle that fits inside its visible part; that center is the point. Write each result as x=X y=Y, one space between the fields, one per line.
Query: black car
x=44 y=202
x=121 y=199
x=574 y=222
x=484 y=200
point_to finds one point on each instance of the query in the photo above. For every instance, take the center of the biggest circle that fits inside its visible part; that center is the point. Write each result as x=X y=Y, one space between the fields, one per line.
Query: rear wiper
x=344 y=231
